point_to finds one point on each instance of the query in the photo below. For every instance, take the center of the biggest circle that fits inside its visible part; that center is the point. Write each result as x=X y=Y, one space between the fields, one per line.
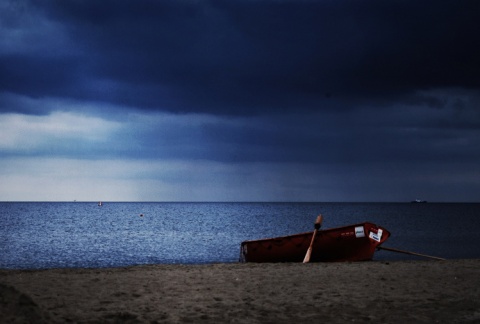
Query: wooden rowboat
x=356 y=242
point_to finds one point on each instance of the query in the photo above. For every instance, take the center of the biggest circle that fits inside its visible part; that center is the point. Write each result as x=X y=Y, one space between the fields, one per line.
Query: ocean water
x=39 y=235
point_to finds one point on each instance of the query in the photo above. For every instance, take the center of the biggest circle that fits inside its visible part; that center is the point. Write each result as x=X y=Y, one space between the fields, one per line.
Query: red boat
x=356 y=242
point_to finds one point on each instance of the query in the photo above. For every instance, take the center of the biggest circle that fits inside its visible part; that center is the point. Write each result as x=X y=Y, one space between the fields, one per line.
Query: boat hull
x=356 y=242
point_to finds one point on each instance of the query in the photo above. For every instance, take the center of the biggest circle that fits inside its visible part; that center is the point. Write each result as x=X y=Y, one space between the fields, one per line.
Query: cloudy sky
x=240 y=100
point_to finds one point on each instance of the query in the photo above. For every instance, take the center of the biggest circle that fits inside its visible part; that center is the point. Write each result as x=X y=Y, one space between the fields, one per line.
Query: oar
x=409 y=252
x=318 y=223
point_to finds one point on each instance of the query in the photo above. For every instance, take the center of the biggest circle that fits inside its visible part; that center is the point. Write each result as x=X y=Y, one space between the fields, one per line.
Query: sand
x=363 y=292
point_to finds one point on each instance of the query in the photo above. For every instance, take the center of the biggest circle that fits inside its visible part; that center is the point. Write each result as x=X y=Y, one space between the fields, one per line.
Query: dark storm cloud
x=241 y=57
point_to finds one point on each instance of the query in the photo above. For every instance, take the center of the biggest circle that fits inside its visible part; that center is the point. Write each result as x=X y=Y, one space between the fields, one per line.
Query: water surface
x=37 y=235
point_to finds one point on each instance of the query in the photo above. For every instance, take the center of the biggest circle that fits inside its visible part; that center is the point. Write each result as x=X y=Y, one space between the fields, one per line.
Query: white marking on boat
x=359 y=231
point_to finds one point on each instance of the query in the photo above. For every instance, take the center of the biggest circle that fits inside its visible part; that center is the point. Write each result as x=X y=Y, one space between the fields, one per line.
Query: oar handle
x=318 y=223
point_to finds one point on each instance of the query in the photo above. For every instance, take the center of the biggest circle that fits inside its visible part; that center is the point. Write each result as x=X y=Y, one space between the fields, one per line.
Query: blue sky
x=242 y=100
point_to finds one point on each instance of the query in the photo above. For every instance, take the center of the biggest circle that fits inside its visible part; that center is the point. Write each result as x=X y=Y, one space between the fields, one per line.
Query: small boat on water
x=356 y=242
x=419 y=201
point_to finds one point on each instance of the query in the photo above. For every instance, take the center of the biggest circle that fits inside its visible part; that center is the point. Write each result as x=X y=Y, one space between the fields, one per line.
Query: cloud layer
x=381 y=97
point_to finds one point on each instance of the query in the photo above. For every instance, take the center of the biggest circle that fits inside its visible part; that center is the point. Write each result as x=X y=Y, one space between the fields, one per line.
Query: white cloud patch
x=28 y=132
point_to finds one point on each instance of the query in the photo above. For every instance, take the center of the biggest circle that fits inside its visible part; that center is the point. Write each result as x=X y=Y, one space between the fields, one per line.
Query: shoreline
x=371 y=291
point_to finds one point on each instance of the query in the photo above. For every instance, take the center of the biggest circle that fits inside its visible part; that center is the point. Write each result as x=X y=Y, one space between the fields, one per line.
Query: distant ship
x=99 y=203
x=418 y=201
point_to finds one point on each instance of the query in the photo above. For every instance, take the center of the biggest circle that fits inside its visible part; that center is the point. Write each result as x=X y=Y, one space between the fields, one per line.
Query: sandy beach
x=365 y=292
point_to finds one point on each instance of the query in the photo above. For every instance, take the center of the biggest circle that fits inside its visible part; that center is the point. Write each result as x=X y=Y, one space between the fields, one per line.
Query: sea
x=44 y=235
